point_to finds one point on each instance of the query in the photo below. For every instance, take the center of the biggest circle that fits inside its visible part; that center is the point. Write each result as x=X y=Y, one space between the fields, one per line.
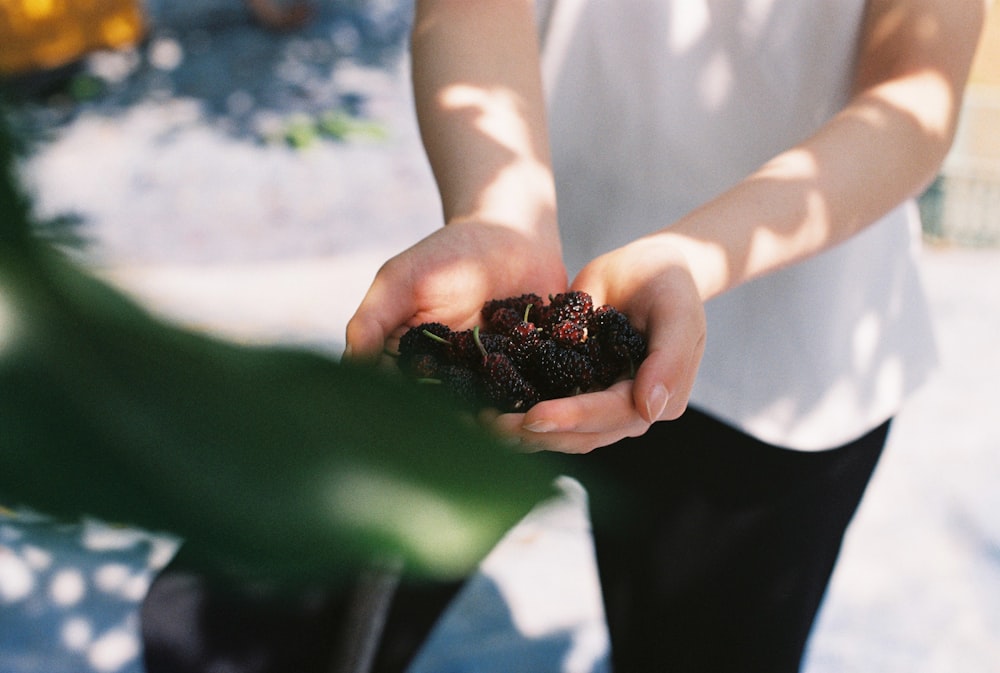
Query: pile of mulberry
x=526 y=351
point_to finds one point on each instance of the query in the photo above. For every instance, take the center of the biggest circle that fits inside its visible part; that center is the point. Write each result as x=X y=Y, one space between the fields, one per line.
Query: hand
x=652 y=283
x=448 y=276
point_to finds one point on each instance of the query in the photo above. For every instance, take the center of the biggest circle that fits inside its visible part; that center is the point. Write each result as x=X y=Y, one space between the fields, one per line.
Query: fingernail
x=657 y=401
x=541 y=426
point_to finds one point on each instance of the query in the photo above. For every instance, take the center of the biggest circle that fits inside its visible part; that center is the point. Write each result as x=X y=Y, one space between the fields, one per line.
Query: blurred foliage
x=269 y=461
x=303 y=130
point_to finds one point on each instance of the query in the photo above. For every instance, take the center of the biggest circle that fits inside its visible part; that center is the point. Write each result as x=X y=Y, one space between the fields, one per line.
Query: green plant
x=268 y=461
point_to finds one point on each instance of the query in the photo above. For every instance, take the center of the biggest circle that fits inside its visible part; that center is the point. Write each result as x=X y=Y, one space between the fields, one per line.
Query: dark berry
x=576 y=306
x=560 y=372
x=465 y=351
x=620 y=342
x=568 y=333
x=494 y=343
x=541 y=315
x=606 y=373
x=526 y=351
x=429 y=337
x=503 y=320
x=517 y=304
x=506 y=387
x=425 y=339
x=422 y=365
x=463 y=384
x=524 y=341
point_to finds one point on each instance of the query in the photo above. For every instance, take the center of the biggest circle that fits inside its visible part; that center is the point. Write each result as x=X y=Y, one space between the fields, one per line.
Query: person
x=739 y=179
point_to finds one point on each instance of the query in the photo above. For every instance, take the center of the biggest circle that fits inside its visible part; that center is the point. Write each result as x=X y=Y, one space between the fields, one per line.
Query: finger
x=385 y=307
x=577 y=424
x=675 y=344
x=512 y=427
x=664 y=381
x=590 y=412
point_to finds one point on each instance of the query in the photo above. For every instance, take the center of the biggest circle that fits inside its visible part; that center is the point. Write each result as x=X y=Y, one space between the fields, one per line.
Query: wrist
x=520 y=197
x=704 y=261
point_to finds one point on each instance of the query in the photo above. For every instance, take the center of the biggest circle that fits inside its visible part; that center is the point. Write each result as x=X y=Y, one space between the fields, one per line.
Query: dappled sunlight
x=498 y=110
x=214 y=126
x=810 y=210
x=511 y=155
x=442 y=534
x=70 y=594
x=8 y=322
x=184 y=55
x=115 y=648
x=716 y=82
x=889 y=105
x=67 y=587
x=536 y=600
x=917 y=79
x=814 y=196
x=865 y=342
x=892 y=19
x=689 y=23
x=17 y=580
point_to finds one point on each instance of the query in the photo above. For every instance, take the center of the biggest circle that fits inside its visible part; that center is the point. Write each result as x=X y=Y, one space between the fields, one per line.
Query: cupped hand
x=448 y=276
x=652 y=283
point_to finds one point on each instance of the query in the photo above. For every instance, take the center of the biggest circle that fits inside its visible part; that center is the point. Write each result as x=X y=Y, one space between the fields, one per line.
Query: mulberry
x=560 y=372
x=569 y=333
x=517 y=304
x=464 y=385
x=574 y=306
x=430 y=338
x=423 y=366
x=620 y=342
x=503 y=320
x=524 y=341
x=527 y=351
x=506 y=387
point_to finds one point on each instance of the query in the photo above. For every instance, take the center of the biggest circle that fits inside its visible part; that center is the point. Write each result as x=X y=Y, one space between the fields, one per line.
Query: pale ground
x=194 y=215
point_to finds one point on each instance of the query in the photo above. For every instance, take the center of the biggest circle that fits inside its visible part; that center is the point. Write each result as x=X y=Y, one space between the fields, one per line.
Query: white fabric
x=655 y=106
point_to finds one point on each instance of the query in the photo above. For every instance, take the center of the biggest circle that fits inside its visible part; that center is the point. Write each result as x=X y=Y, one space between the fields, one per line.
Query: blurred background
x=244 y=167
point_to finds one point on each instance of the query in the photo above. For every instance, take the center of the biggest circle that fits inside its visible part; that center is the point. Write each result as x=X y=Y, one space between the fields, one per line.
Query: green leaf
x=268 y=461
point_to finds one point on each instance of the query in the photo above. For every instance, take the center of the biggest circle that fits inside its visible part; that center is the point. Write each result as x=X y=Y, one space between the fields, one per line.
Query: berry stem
x=435 y=337
x=479 y=342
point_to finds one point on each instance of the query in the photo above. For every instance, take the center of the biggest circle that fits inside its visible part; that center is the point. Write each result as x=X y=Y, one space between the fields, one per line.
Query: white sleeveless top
x=656 y=106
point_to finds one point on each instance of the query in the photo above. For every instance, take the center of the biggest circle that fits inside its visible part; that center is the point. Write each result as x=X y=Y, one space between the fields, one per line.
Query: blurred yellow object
x=986 y=66
x=45 y=34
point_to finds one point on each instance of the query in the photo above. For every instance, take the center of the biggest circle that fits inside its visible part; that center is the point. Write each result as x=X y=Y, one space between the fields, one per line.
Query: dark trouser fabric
x=721 y=558
x=714 y=551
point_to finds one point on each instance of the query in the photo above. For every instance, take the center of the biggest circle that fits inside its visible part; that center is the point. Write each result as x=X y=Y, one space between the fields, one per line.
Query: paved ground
x=189 y=202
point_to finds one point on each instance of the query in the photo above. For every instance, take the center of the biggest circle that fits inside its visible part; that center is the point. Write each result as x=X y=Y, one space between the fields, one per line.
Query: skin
x=479 y=103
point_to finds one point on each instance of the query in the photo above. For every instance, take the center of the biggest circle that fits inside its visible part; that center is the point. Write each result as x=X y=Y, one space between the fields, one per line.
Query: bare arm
x=479 y=101
x=478 y=94
x=883 y=147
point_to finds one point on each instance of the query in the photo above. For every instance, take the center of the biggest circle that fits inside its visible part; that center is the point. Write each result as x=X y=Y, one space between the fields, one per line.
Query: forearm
x=883 y=147
x=479 y=102
x=862 y=164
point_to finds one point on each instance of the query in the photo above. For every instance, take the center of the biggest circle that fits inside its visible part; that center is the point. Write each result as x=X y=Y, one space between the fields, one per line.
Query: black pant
x=714 y=551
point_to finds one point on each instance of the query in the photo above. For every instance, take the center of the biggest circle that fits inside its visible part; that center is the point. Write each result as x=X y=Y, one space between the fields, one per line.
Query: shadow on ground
x=243 y=75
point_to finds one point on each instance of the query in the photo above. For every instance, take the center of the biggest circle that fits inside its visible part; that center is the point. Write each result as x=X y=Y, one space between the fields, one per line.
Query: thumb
x=379 y=314
x=666 y=376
